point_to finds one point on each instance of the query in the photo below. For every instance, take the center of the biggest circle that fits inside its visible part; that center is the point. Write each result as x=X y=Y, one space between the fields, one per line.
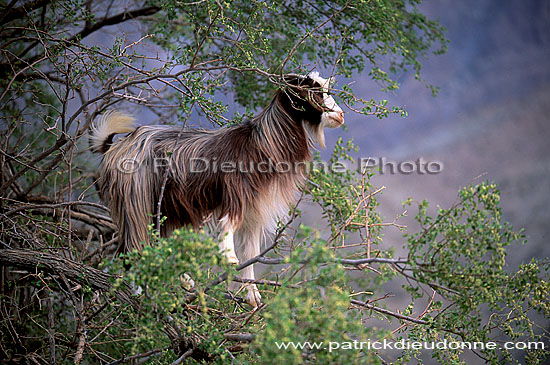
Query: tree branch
x=54 y=265
x=20 y=11
x=388 y=312
x=115 y=19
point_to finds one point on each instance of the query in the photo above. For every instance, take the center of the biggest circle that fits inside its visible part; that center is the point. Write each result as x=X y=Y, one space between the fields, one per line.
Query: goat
x=245 y=201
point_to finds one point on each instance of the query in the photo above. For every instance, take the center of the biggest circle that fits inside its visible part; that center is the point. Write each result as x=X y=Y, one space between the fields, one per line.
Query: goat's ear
x=304 y=89
x=303 y=92
x=293 y=79
x=307 y=95
x=317 y=101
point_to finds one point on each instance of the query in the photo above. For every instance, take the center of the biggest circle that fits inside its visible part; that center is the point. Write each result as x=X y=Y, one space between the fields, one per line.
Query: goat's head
x=311 y=102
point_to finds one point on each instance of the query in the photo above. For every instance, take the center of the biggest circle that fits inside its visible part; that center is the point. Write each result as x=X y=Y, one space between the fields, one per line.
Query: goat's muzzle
x=335 y=118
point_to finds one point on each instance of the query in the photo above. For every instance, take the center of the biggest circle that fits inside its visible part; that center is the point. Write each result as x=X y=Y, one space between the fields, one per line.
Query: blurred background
x=490 y=120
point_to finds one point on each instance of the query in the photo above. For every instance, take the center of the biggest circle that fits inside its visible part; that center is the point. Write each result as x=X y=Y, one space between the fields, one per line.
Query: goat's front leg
x=227 y=242
x=250 y=247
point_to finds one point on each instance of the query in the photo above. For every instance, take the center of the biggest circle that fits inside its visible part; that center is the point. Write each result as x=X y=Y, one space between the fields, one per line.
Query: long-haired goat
x=244 y=199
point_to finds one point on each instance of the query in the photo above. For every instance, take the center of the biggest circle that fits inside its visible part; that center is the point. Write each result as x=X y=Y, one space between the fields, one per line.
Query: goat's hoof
x=186 y=282
x=232 y=259
x=253 y=297
x=136 y=290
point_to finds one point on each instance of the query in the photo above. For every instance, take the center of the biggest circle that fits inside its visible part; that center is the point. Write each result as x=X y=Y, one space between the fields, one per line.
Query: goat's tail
x=111 y=122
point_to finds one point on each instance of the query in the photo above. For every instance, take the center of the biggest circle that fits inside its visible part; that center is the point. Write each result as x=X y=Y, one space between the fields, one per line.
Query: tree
x=66 y=298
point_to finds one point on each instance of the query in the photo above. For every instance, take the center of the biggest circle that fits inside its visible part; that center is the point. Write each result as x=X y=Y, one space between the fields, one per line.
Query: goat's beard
x=315 y=133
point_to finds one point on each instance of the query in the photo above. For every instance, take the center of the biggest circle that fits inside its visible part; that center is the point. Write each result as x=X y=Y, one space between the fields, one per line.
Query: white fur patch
x=329 y=119
x=330 y=103
x=325 y=84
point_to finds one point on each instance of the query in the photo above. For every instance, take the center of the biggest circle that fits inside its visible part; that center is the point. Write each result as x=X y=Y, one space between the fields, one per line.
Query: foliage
x=64 y=62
